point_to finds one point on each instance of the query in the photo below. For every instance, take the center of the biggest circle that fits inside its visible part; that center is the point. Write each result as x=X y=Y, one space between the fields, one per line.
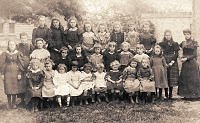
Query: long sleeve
x=2 y=62
x=34 y=35
x=176 y=49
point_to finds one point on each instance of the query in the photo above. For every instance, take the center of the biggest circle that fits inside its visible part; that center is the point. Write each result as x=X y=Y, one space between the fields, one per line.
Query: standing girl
x=11 y=68
x=103 y=35
x=72 y=34
x=131 y=83
x=110 y=55
x=170 y=52
x=159 y=67
x=35 y=78
x=189 y=81
x=88 y=37
x=147 y=85
x=125 y=55
x=114 y=81
x=62 y=87
x=117 y=35
x=48 y=86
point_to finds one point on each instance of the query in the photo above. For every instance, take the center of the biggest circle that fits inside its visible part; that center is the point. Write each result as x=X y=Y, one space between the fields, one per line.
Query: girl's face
x=115 y=67
x=145 y=63
x=78 y=50
x=88 y=27
x=100 y=69
x=140 y=50
x=24 y=39
x=11 y=46
x=131 y=27
x=97 y=50
x=133 y=64
x=187 y=36
x=42 y=21
x=168 y=36
x=125 y=48
x=87 y=70
x=74 y=68
x=39 y=44
x=157 y=51
x=56 y=23
x=61 y=70
x=117 y=28
x=146 y=28
x=102 y=28
x=35 y=66
x=48 y=67
x=112 y=48
x=72 y=23
x=64 y=53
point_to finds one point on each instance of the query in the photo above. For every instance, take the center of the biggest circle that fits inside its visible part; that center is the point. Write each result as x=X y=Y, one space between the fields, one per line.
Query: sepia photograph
x=99 y=61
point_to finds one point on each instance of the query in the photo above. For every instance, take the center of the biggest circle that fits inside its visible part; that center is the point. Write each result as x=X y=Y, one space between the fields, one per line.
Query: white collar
x=12 y=52
x=73 y=29
x=34 y=71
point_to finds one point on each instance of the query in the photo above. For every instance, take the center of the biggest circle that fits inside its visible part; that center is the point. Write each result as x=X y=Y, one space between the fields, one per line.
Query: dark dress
x=118 y=38
x=41 y=32
x=82 y=60
x=72 y=37
x=109 y=58
x=35 y=79
x=56 y=42
x=189 y=79
x=170 y=52
x=148 y=40
x=12 y=65
x=115 y=76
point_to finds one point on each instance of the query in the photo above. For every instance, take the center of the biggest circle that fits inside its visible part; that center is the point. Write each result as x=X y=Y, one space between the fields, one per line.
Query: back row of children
x=99 y=64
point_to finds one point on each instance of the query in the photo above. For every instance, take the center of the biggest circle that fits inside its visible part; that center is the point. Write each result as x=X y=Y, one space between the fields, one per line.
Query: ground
x=178 y=111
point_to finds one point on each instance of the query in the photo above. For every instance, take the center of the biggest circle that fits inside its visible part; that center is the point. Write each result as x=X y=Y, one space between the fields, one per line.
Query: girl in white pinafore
x=62 y=87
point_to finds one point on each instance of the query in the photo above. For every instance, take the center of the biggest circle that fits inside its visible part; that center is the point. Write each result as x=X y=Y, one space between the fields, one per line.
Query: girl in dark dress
x=72 y=34
x=117 y=35
x=12 y=65
x=170 y=52
x=57 y=39
x=78 y=57
x=189 y=79
x=35 y=79
x=147 y=39
x=110 y=55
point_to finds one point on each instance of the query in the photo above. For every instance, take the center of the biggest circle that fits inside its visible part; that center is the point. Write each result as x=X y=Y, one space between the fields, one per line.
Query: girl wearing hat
x=189 y=79
x=87 y=84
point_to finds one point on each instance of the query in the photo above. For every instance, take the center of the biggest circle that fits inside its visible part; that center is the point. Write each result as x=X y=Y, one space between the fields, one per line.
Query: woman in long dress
x=189 y=79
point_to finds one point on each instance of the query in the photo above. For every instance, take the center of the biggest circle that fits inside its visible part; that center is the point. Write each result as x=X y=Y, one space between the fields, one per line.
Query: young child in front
x=146 y=78
x=96 y=57
x=48 y=85
x=159 y=67
x=117 y=35
x=87 y=84
x=74 y=78
x=100 y=83
x=114 y=81
x=110 y=55
x=35 y=78
x=125 y=55
x=131 y=83
x=62 y=87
